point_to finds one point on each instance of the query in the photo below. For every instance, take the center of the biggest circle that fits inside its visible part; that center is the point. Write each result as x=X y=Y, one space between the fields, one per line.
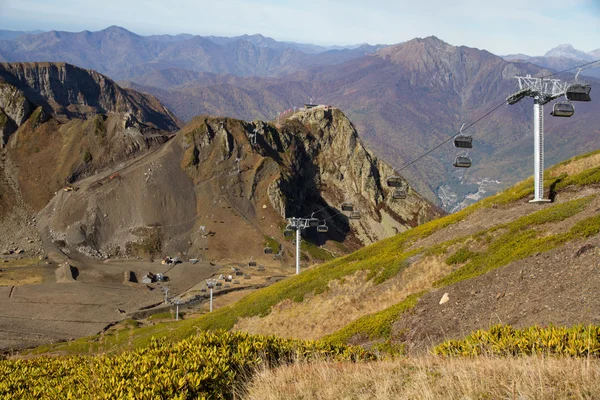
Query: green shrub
x=87 y=157
x=504 y=340
x=207 y=365
x=461 y=256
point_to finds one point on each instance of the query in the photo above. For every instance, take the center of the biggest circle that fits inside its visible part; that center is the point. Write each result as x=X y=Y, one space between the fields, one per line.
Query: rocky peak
x=568 y=51
x=313 y=161
x=67 y=91
x=435 y=63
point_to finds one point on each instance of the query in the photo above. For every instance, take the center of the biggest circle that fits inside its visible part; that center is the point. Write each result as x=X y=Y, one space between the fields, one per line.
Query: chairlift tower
x=298 y=224
x=543 y=91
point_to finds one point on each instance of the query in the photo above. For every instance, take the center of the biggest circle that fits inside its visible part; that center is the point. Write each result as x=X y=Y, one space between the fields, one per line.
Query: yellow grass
x=20 y=280
x=430 y=377
x=576 y=166
x=354 y=294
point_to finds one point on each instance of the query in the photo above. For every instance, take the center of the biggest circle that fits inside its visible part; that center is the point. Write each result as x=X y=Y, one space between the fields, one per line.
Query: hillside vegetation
x=378 y=286
x=206 y=365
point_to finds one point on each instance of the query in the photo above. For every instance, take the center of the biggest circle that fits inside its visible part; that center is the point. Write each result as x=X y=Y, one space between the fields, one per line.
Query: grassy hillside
x=377 y=285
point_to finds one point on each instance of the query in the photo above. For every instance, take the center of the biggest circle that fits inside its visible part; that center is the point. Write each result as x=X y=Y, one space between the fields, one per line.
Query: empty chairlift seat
x=462 y=162
x=563 y=109
x=355 y=215
x=322 y=228
x=313 y=222
x=347 y=206
x=252 y=263
x=288 y=232
x=268 y=250
x=578 y=92
x=399 y=194
x=394 y=181
x=463 y=141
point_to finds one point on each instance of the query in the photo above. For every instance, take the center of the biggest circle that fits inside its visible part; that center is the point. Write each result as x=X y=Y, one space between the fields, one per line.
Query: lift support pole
x=298 y=224
x=543 y=91
x=538 y=143
x=298 y=238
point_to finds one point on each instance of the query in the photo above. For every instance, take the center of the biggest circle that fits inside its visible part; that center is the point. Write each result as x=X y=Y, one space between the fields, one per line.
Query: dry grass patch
x=319 y=315
x=576 y=166
x=431 y=377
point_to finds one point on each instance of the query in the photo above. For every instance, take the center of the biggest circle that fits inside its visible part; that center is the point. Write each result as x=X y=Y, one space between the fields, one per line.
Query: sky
x=502 y=27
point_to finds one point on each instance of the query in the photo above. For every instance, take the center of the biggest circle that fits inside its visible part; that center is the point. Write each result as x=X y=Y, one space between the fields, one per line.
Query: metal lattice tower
x=543 y=91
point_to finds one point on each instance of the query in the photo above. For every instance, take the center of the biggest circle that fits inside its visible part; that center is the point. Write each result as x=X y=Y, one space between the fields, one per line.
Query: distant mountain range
x=562 y=57
x=404 y=99
x=124 y=55
x=10 y=35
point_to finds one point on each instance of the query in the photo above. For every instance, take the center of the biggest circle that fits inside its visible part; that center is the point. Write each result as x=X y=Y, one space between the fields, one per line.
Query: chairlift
x=252 y=263
x=463 y=141
x=347 y=206
x=578 y=92
x=462 y=162
x=322 y=228
x=355 y=215
x=563 y=109
x=312 y=221
x=394 y=181
x=268 y=250
x=399 y=194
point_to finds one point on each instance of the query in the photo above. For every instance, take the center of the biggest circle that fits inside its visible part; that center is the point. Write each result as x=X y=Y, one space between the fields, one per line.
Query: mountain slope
x=59 y=123
x=210 y=190
x=521 y=263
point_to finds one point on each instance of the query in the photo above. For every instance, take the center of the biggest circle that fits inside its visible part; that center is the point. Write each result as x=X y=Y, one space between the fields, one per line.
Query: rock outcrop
x=313 y=162
x=67 y=92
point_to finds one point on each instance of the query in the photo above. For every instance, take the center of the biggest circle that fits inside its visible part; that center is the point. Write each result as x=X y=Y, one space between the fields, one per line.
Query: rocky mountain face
x=72 y=92
x=406 y=99
x=214 y=193
x=60 y=123
x=124 y=55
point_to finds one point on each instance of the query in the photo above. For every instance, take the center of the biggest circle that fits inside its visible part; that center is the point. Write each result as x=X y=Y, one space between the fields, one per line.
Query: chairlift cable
x=451 y=137
x=575 y=67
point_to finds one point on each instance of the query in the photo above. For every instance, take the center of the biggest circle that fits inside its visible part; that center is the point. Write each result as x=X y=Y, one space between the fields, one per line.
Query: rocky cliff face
x=67 y=91
x=311 y=163
x=14 y=110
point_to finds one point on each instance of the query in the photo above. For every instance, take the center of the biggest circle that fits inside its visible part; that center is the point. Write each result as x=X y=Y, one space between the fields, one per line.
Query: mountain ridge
x=115 y=48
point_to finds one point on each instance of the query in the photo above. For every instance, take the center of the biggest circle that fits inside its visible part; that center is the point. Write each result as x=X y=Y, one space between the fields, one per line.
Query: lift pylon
x=543 y=91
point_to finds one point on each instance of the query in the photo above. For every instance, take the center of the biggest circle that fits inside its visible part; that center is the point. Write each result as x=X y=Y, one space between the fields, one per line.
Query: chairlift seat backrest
x=312 y=222
x=347 y=206
x=462 y=162
x=355 y=215
x=394 y=181
x=563 y=109
x=578 y=92
x=322 y=228
x=463 y=141
x=252 y=263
